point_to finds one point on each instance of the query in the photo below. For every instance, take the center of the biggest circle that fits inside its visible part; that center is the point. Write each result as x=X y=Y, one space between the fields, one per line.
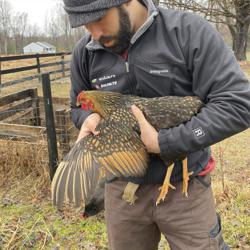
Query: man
x=135 y=48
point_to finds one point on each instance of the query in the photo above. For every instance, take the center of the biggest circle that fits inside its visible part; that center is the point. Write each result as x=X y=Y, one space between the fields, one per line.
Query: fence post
x=63 y=66
x=50 y=124
x=38 y=67
x=61 y=124
x=0 y=72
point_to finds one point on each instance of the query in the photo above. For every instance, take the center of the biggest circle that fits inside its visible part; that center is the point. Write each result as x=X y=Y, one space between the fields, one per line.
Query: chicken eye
x=91 y=105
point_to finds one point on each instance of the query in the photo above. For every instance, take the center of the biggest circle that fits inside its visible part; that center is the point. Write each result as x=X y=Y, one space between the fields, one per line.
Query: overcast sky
x=36 y=9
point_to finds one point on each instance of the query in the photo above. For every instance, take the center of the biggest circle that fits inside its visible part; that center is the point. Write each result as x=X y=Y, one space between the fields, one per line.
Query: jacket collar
x=152 y=12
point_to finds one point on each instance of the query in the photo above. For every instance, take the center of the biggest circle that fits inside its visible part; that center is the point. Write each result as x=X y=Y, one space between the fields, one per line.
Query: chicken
x=118 y=149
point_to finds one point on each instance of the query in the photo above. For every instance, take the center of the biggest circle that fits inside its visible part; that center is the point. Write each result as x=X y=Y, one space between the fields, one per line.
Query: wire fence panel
x=23 y=139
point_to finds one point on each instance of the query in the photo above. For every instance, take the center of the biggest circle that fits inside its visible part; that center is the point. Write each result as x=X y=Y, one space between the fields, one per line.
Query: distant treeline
x=16 y=32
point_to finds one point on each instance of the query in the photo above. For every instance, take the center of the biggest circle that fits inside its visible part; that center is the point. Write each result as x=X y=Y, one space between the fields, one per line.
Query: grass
x=246 y=65
x=59 y=88
x=29 y=62
x=28 y=221
x=231 y=186
x=37 y=225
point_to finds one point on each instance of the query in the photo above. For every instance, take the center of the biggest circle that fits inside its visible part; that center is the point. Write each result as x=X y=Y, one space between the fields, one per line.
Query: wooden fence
x=22 y=117
x=37 y=65
x=13 y=109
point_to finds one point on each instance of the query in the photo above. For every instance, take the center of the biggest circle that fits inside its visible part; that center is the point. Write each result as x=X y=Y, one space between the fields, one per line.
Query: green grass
x=39 y=226
x=231 y=185
x=235 y=217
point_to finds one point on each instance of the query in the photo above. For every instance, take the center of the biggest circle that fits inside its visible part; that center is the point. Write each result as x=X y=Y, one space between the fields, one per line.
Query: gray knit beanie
x=85 y=11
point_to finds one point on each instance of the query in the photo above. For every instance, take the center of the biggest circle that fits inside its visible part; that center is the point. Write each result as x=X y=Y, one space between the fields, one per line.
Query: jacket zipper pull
x=127 y=66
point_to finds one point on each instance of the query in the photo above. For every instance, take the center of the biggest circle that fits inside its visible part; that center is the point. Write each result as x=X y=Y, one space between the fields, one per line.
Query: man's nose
x=95 y=31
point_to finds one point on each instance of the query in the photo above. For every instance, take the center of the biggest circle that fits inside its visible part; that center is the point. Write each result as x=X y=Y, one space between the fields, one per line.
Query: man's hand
x=89 y=126
x=149 y=135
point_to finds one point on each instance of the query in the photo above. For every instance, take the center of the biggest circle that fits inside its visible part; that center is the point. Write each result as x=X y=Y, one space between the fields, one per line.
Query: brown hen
x=118 y=149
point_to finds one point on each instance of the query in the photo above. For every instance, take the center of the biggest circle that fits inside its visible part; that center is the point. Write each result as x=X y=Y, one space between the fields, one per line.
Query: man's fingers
x=138 y=115
x=83 y=134
x=96 y=132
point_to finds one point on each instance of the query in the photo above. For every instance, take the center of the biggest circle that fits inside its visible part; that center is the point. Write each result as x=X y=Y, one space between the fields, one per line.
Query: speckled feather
x=118 y=148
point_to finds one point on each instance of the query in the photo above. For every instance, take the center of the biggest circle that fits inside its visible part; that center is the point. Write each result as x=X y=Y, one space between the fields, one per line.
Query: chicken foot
x=185 y=176
x=166 y=185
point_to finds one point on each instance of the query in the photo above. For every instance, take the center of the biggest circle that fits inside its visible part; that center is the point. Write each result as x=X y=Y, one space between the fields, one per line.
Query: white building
x=39 y=47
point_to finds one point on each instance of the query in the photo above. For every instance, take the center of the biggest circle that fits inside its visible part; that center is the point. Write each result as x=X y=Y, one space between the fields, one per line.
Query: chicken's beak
x=78 y=100
x=78 y=103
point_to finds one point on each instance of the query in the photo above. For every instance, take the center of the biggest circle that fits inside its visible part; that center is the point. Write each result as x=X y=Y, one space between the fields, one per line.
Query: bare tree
x=32 y=33
x=70 y=36
x=52 y=26
x=59 y=31
x=64 y=25
x=5 y=17
x=19 y=24
x=234 y=13
x=16 y=32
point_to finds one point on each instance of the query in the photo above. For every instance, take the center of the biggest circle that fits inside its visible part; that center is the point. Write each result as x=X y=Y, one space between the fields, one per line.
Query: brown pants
x=187 y=223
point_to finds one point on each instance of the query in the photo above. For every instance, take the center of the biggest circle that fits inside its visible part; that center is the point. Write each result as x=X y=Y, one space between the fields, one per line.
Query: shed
x=39 y=47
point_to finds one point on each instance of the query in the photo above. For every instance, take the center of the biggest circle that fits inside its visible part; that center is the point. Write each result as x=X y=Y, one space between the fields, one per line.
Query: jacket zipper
x=127 y=66
x=130 y=81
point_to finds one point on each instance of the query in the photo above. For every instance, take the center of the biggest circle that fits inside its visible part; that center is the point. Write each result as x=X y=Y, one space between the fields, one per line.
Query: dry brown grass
x=24 y=170
x=30 y=62
x=59 y=88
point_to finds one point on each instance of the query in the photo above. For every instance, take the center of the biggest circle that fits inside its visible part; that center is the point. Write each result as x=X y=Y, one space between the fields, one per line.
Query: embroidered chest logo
x=159 y=72
x=199 y=132
x=104 y=81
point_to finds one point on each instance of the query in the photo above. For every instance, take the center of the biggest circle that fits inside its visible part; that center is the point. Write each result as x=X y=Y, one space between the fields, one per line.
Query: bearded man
x=134 y=47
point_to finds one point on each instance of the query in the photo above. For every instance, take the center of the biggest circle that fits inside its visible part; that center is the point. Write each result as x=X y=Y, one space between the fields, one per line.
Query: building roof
x=42 y=44
x=45 y=44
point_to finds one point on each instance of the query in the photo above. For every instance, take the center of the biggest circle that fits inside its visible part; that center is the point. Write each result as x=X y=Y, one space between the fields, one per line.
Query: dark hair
x=142 y=2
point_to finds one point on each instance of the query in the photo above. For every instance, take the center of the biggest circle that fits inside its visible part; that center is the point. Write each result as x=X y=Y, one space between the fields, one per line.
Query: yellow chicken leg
x=166 y=185
x=185 y=175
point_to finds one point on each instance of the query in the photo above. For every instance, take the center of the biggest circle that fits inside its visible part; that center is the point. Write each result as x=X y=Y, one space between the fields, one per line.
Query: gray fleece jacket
x=173 y=53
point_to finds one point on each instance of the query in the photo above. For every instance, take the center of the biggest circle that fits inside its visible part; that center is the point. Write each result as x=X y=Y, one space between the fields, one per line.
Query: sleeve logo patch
x=198 y=132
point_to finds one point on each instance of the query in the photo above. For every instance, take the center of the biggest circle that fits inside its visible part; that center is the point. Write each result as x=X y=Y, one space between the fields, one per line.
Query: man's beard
x=122 y=39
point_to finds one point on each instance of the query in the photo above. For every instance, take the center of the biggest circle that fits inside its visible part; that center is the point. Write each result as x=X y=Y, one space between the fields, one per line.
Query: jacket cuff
x=82 y=118
x=166 y=147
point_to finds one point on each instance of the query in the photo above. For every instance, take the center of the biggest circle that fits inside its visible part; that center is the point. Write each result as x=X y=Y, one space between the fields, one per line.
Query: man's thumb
x=138 y=115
